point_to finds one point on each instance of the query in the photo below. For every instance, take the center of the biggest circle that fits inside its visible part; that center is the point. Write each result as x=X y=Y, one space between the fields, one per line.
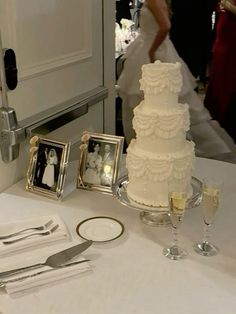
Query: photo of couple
x=47 y=166
x=99 y=165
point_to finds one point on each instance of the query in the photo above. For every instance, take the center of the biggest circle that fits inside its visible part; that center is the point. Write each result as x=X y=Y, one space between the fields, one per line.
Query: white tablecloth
x=130 y=274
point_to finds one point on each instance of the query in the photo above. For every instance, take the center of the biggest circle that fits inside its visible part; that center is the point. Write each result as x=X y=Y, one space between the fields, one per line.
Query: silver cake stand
x=155 y=216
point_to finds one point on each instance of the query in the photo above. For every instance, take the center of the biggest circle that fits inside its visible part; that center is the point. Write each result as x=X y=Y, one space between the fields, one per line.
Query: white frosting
x=161 y=83
x=151 y=175
x=145 y=192
x=159 y=167
x=160 y=158
x=161 y=123
x=165 y=129
x=162 y=100
x=161 y=77
x=171 y=145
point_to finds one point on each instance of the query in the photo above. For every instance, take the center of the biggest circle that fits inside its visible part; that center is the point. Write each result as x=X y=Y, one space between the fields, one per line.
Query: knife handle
x=20 y=270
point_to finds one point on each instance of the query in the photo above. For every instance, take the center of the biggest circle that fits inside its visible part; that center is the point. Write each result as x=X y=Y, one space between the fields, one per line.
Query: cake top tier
x=161 y=77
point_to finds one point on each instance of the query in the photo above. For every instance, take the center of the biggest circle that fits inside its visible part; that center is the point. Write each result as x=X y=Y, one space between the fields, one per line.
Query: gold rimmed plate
x=100 y=229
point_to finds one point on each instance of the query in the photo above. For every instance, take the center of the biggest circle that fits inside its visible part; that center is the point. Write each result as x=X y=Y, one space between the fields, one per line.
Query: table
x=130 y=275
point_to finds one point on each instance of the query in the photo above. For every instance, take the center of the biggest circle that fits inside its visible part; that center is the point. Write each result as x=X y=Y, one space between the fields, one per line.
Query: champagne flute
x=177 y=206
x=210 y=205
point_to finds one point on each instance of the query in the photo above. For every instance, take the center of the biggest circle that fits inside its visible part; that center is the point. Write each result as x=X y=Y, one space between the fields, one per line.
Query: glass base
x=175 y=253
x=155 y=219
x=205 y=249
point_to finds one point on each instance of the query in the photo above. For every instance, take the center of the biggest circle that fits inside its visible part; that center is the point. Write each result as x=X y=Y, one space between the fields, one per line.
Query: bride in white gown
x=152 y=44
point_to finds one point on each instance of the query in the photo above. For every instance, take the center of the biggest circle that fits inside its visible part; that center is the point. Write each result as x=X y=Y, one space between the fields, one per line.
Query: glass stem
x=175 y=232
x=207 y=234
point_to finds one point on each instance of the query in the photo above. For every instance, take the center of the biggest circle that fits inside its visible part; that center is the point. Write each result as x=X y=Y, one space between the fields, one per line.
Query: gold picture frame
x=99 y=162
x=47 y=167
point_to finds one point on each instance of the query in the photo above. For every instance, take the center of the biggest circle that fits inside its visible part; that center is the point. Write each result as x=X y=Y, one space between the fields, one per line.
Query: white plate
x=100 y=229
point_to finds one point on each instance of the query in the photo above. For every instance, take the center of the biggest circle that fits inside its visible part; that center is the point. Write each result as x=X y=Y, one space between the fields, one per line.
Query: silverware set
x=43 y=230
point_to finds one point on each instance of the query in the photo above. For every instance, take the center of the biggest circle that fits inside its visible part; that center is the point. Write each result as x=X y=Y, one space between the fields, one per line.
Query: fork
x=43 y=227
x=41 y=233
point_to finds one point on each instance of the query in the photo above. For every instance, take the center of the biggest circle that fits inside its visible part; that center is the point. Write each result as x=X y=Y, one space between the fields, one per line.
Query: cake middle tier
x=161 y=131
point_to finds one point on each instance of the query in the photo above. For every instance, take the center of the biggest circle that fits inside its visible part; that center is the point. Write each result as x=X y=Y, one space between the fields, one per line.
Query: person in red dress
x=220 y=96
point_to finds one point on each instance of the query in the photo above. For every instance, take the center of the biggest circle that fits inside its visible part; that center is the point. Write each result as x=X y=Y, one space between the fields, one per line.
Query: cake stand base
x=155 y=219
x=154 y=216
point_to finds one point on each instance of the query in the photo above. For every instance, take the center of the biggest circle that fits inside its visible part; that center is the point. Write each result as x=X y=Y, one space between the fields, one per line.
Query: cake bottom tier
x=155 y=194
x=152 y=177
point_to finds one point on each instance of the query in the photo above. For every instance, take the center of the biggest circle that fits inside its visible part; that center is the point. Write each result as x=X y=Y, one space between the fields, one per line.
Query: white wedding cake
x=160 y=159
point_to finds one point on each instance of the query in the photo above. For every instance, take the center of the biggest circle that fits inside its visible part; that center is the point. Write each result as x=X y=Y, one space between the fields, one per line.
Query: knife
x=54 y=261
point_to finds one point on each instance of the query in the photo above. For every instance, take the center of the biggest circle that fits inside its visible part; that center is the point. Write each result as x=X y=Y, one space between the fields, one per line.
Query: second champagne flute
x=177 y=206
x=210 y=204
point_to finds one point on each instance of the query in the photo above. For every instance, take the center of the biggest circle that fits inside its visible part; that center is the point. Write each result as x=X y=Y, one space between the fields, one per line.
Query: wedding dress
x=93 y=168
x=49 y=172
x=207 y=140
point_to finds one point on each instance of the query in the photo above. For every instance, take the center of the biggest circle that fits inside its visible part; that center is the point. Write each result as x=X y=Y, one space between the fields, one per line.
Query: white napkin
x=44 y=278
x=61 y=233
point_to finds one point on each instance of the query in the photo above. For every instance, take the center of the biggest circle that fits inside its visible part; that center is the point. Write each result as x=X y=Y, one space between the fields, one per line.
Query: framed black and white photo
x=100 y=156
x=47 y=167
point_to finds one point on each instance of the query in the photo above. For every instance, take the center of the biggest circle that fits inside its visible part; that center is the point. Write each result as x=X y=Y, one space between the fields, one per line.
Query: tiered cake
x=160 y=159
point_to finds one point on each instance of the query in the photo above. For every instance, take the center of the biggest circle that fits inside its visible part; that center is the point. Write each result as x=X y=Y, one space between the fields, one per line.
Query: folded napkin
x=61 y=233
x=47 y=276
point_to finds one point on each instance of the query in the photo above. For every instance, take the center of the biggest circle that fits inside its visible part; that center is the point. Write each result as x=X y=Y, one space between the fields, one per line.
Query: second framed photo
x=100 y=156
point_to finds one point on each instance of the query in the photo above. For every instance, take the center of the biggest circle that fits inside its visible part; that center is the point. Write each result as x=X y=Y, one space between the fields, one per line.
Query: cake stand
x=155 y=216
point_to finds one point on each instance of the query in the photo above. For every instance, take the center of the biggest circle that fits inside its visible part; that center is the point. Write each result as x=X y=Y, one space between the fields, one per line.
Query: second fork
x=38 y=228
